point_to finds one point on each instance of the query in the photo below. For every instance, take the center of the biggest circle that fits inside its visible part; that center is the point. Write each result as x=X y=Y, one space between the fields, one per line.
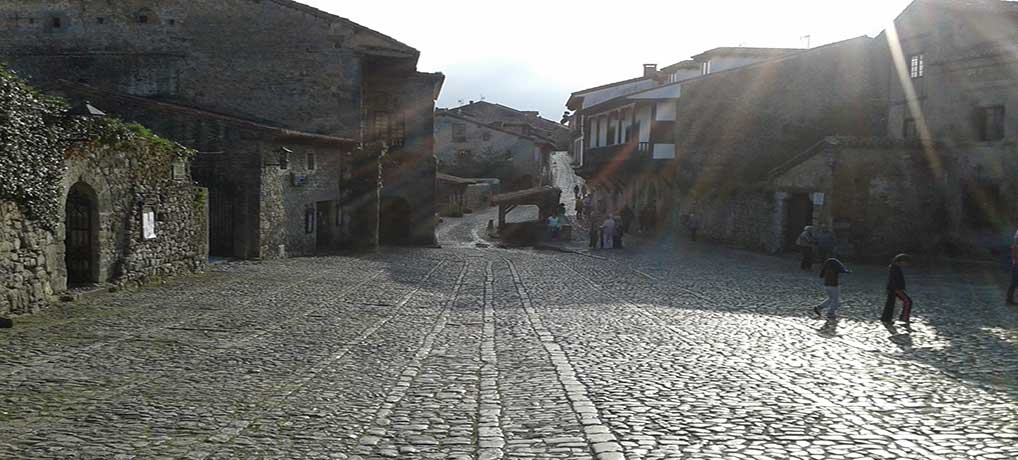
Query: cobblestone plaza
x=661 y=350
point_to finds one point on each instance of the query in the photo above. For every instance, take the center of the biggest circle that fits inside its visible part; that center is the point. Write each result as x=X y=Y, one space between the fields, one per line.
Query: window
x=143 y=19
x=100 y=20
x=917 y=65
x=56 y=23
x=627 y=127
x=908 y=131
x=459 y=132
x=612 y=122
x=705 y=68
x=309 y=219
x=310 y=161
x=991 y=123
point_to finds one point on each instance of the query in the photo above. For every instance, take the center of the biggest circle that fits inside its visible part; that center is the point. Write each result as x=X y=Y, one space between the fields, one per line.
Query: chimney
x=649 y=70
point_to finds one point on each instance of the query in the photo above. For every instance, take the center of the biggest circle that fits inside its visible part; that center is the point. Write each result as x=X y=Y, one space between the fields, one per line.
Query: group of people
x=607 y=233
x=895 y=288
x=821 y=242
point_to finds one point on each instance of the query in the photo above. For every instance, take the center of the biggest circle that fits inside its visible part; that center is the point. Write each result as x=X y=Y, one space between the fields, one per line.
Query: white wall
x=666 y=111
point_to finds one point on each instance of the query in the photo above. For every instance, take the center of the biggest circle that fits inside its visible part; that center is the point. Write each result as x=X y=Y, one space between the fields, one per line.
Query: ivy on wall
x=36 y=136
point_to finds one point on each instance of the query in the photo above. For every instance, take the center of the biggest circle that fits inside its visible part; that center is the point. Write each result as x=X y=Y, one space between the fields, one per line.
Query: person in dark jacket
x=830 y=271
x=896 y=290
x=627 y=216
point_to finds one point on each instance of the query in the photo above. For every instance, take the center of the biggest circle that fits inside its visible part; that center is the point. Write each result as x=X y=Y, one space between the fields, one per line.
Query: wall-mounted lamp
x=283 y=158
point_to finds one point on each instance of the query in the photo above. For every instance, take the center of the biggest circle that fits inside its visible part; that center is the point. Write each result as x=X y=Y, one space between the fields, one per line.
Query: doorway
x=221 y=221
x=394 y=223
x=81 y=242
x=325 y=226
x=798 y=214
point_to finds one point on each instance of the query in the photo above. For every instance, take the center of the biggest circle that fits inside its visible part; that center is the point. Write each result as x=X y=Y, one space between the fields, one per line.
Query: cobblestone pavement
x=661 y=350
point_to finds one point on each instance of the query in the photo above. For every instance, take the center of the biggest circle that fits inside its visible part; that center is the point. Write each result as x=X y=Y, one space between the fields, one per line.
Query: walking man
x=805 y=243
x=830 y=271
x=692 y=224
x=1014 y=271
x=896 y=290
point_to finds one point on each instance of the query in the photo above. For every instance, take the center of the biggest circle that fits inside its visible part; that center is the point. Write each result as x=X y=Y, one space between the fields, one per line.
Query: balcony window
x=917 y=65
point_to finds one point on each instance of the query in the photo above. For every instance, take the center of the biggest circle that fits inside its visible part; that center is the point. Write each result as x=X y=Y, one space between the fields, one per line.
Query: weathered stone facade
x=283 y=66
x=897 y=143
x=110 y=184
x=467 y=147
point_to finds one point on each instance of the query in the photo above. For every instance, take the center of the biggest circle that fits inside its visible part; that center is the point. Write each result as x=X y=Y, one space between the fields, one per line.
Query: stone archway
x=81 y=235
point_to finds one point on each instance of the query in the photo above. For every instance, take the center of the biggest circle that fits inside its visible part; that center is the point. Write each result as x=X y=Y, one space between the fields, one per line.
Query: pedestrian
x=805 y=242
x=830 y=271
x=562 y=210
x=627 y=216
x=576 y=191
x=608 y=228
x=825 y=243
x=896 y=290
x=579 y=208
x=692 y=224
x=554 y=226
x=593 y=233
x=1014 y=271
x=620 y=230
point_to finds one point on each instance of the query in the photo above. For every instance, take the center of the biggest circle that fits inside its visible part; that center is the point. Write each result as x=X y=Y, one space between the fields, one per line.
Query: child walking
x=896 y=290
x=830 y=272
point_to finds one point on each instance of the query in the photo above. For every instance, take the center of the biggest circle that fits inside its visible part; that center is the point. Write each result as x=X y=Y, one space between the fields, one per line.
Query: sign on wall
x=148 y=224
x=818 y=199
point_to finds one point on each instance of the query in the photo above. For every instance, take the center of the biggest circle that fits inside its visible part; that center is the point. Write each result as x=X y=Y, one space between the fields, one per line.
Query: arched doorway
x=81 y=241
x=394 y=221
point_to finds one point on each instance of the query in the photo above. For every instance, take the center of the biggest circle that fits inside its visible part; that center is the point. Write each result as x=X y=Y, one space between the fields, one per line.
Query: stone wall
x=123 y=181
x=742 y=219
x=881 y=197
x=26 y=248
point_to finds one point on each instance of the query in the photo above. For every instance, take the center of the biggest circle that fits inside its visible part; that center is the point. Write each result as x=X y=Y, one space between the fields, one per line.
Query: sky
x=531 y=54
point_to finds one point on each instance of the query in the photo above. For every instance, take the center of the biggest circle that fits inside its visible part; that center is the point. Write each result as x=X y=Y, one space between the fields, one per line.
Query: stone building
x=468 y=146
x=118 y=207
x=925 y=169
x=899 y=142
x=625 y=142
x=529 y=123
x=350 y=98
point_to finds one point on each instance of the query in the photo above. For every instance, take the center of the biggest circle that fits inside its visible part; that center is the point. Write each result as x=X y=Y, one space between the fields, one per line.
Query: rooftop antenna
x=807 y=38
